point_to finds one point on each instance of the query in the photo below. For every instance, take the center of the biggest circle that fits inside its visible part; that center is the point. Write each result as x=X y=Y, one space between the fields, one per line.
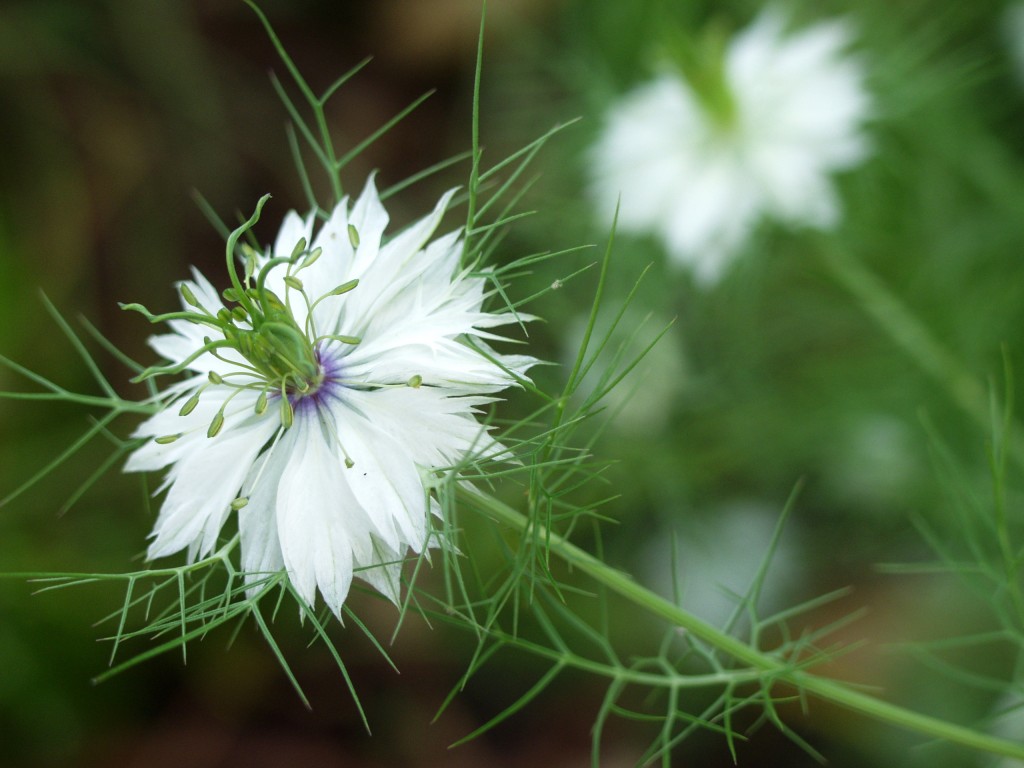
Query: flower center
x=280 y=352
x=262 y=328
x=702 y=62
x=280 y=356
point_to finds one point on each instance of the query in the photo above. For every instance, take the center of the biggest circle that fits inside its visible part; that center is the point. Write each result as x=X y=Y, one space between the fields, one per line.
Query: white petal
x=435 y=430
x=203 y=484
x=315 y=522
x=383 y=571
x=257 y=520
x=369 y=219
x=293 y=229
x=412 y=239
x=384 y=480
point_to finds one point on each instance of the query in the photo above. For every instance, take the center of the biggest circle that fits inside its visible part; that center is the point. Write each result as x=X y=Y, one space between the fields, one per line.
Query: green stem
x=829 y=690
x=113 y=404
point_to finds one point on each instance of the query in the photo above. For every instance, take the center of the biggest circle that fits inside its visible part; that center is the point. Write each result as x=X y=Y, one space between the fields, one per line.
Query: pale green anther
x=299 y=248
x=271 y=301
x=347 y=339
x=238 y=503
x=261 y=403
x=167 y=439
x=344 y=288
x=239 y=314
x=188 y=296
x=415 y=381
x=223 y=315
x=230 y=294
x=293 y=282
x=312 y=257
x=249 y=261
x=190 y=405
x=287 y=414
x=353 y=235
x=250 y=264
x=216 y=424
x=349 y=463
x=214 y=377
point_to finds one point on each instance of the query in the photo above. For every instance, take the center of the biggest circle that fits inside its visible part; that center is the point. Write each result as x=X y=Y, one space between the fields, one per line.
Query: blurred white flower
x=699 y=168
x=718 y=558
x=873 y=461
x=326 y=391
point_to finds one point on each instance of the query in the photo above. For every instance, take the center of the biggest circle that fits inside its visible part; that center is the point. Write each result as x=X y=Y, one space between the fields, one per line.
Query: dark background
x=112 y=112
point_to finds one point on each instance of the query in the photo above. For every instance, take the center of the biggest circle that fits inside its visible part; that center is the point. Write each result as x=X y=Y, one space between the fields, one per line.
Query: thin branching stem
x=830 y=690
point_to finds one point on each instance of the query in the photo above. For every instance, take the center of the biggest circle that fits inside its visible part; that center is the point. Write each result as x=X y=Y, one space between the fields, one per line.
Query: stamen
x=190 y=404
x=188 y=296
x=168 y=439
x=343 y=288
x=415 y=381
x=238 y=503
x=313 y=256
x=299 y=248
x=343 y=339
x=261 y=403
x=287 y=414
x=353 y=235
x=230 y=294
x=249 y=255
x=349 y=462
x=217 y=423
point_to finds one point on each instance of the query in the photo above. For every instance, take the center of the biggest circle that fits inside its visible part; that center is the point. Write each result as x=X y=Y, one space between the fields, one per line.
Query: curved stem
x=830 y=690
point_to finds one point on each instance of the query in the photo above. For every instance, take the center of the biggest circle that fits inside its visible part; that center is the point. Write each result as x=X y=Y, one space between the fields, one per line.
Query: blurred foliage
x=112 y=111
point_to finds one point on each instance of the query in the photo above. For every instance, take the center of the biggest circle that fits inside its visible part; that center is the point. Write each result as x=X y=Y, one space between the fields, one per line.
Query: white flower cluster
x=700 y=182
x=335 y=382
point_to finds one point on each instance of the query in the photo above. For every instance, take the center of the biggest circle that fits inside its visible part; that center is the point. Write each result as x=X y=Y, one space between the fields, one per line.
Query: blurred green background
x=112 y=112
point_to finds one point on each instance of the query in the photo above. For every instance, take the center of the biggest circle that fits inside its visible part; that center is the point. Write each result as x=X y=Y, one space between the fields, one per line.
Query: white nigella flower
x=773 y=116
x=325 y=389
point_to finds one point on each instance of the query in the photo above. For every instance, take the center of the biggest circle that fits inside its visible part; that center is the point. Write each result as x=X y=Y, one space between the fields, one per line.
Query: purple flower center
x=327 y=386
